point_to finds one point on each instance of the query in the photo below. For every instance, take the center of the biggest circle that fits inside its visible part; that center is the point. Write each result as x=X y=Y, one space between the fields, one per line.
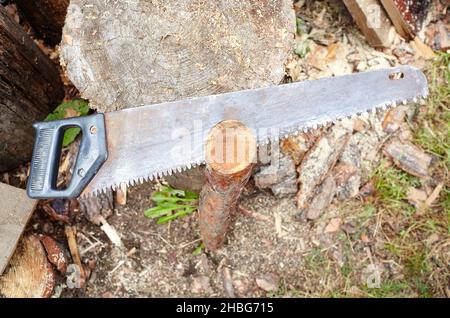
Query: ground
x=375 y=245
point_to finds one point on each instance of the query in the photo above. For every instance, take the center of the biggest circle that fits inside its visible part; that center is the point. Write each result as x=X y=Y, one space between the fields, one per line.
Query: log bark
x=30 y=87
x=407 y=16
x=230 y=156
x=46 y=17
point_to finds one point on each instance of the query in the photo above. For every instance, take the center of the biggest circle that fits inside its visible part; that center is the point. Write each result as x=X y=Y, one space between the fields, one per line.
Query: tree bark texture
x=30 y=87
x=46 y=17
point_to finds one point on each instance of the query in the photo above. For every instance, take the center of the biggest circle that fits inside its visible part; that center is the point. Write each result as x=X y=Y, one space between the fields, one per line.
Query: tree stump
x=121 y=54
x=46 y=17
x=30 y=87
x=124 y=54
x=230 y=155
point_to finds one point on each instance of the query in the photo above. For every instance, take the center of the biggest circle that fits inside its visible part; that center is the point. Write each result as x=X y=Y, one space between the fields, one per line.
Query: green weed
x=72 y=108
x=171 y=204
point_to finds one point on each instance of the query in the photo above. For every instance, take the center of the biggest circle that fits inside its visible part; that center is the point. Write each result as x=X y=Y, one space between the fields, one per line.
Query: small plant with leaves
x=171 y=204
x=72 y=108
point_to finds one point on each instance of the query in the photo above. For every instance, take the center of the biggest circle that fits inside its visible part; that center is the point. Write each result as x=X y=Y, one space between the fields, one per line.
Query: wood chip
x=434 y=195
x=394 y=118
x=409 y=157
x=417 y=198
x=322 y=199
x=319 y=160
x=333 y=226
x=110 y=232
x=422 y=49
x=55 y=253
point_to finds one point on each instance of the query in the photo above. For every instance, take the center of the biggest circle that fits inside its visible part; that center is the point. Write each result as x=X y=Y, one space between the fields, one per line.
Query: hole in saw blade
x=396 y=76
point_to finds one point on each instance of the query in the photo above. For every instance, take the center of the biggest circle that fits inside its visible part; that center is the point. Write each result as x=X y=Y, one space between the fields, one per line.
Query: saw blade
x=156 y=140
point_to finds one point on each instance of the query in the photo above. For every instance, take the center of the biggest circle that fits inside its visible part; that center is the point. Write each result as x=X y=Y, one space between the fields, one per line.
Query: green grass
x=392 y=186
x=408 y=247
x=171 y=204
x=316 y=259
x=389 y=289
x=432 y=129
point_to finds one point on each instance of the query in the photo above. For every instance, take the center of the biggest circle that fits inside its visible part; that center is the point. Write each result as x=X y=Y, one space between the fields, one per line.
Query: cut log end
x=230 y=148
x=30 y=275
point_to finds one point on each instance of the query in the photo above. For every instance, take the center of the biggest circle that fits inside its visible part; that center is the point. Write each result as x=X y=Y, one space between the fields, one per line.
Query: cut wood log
x=372 y=21
x=15 y=210
x=46 y=17
x=121 y=54
x=230 y=155
x=30 y=87
x=29 y=275
x=406 y=15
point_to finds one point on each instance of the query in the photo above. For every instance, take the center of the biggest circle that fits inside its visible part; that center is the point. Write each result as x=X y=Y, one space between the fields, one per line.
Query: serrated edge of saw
x=284 y=133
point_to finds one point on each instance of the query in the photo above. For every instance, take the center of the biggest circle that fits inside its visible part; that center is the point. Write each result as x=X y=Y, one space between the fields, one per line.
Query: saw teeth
x=364 y=115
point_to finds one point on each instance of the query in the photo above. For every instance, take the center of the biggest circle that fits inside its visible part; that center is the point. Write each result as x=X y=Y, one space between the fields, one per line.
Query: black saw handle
x=47 y=152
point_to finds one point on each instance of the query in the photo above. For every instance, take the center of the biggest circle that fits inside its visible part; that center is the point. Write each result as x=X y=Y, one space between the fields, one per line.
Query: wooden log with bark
x=30 y=88
x=406 y=15
x=230 y=155
x=46 y=17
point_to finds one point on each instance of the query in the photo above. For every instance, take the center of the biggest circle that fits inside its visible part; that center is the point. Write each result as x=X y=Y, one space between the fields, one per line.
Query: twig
x=70 y=232
x=110 y=232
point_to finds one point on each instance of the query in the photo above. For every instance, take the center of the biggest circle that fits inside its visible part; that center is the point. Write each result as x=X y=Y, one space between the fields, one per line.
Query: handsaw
x=143 y=143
